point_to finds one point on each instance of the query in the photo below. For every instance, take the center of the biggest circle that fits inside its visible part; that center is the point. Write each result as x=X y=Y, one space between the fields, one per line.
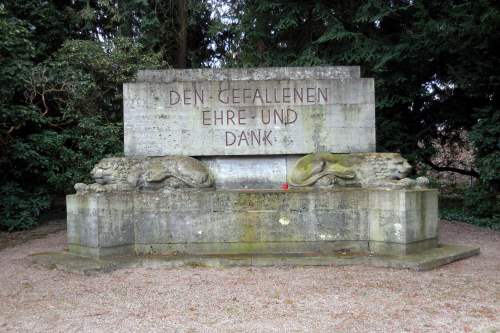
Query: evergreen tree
x=436 y=66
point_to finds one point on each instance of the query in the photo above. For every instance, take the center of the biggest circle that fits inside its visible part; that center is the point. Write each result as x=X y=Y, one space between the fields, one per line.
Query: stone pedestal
x=233 y=222
x=207 y=151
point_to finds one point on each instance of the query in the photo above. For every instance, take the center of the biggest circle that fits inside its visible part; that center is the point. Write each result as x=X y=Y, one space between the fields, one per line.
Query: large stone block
x=403 y=221
x=208 y=221
x=183 y=113
x=100 y=224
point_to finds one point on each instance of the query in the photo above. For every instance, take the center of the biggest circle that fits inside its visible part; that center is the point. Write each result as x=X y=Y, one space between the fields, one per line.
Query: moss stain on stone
x=314 y=166
x=249 y=233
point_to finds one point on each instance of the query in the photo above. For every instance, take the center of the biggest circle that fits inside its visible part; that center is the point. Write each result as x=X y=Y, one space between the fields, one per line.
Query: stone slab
x=244 y=74
x=250 y=172
x=249 y=117
x=236 y=172
x=422 y=261
x=228 y=222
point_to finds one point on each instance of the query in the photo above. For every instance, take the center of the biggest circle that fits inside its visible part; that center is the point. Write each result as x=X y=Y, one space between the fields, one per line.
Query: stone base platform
x=422 y=261
x=305 y=223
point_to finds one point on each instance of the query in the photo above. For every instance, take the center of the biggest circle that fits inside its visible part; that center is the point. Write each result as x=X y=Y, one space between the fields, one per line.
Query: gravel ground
x=460 y=297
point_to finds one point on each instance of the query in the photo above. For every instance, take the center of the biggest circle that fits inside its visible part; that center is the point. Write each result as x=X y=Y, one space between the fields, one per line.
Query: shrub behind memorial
x=58 y=116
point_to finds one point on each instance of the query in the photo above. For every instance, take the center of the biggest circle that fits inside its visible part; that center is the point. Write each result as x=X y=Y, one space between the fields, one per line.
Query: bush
x=64 y=117
x=469 y=205
x=20 y=209
x=482 y=200
x=458 y=214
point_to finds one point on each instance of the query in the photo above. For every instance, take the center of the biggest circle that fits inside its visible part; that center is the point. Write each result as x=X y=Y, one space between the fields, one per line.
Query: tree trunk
x=180 y=57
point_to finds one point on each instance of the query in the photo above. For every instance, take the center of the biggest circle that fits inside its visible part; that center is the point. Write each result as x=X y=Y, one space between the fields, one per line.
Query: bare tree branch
x=470 y=172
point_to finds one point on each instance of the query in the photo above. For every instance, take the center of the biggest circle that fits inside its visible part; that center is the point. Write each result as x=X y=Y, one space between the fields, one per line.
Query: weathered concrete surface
x=228 y=222
x=369 y=170
x=249 y=172
x=422 y=261
x=244 y=74
x=249 y=117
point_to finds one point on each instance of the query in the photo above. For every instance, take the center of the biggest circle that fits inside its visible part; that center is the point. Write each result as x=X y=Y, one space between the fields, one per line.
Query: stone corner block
x=100 y=221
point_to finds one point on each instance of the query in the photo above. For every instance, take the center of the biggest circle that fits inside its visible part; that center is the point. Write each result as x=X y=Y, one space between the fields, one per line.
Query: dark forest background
x=436 y=66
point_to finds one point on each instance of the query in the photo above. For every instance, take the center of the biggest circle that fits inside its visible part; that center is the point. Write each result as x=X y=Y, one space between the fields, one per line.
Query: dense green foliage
x=436 y=64
x=61 y=70
x=62 y=65
x=71 y=117
x=452 y=208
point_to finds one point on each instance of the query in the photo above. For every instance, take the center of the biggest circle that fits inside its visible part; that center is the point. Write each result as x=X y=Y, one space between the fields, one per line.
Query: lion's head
x=111 y=170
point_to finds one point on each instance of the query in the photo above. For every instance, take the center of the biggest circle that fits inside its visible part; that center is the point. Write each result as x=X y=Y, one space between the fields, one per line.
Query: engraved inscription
x=265 y=117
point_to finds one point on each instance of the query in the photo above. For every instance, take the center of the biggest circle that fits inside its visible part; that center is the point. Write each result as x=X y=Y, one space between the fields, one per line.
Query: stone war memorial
x=259 y=166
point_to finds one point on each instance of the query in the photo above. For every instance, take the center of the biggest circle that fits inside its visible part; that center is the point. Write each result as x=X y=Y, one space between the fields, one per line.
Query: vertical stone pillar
x=403 y=221
x=100 y=224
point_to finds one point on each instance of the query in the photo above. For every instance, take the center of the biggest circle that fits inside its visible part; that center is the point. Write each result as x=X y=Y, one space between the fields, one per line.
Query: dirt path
x=11 y=239
x=460 y=297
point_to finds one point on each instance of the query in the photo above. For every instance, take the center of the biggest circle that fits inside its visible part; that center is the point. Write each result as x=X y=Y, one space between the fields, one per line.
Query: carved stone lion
x=147 y=173
x=379 y=170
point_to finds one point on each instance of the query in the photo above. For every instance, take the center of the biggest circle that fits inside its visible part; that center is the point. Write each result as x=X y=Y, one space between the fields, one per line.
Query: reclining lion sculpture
x=379 y=170
x=147 y=173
